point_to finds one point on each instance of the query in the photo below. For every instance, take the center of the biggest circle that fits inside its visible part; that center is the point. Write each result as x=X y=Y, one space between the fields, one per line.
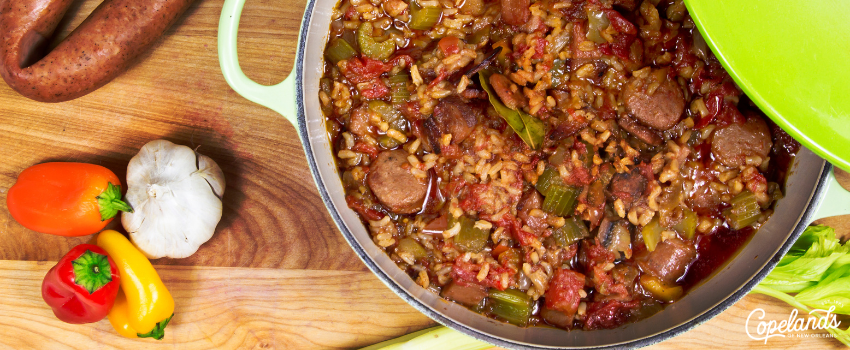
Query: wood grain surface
x=277 y=273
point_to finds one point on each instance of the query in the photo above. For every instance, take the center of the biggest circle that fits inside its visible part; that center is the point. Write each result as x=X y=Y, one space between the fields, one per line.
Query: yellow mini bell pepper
x=119 y=316
x=143 y=306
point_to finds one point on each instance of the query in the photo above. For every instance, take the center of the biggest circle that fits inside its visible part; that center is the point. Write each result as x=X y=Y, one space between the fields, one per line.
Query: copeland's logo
x=769 y=329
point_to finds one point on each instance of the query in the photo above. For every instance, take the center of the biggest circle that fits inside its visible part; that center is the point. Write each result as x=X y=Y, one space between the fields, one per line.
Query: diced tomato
x=579 y=35
x=621 y=47
x=406 y=58
x=472 y=200
x=351 y=13
x=563 y=293
x=579 y=176
x=719 y=109
x=410 y=111
x=683 y=56
x=363 y=147
x=608 y=314
x=756 y=182
x=620 y=23
x=363 y=69
x=451 y=152
x=449 y=45
x=539 y=48
x=596 y=254
x=377 y=89
x=455 y=186
x=464 y=273
x=524 y=237
x=440 y=77
x=367 y=212
x=604 y=283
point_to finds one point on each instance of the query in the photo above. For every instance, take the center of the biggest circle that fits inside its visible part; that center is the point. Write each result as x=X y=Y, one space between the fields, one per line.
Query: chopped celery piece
x=423 y=18
x=470 y=238
x=481 y=36
x=560 y=73
x=652 y=234
x=561 y=200
x=688 y=226
x=372 y=48
x=744 y=212
x=512 y=305
x=549 y=177
x=340 y=50
x=573 y=231
x=410 y=246
x=389 y=114
x=398 y=84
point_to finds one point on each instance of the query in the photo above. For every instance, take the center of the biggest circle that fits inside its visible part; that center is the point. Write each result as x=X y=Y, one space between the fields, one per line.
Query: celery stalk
x=423 y=18
x=744 y=212
x=470 y=238
x=340 y=50
x=561 y=200
x=512 y=305
x=549 y=177
x=432 y=338
x=398 y=84
x=573 y=231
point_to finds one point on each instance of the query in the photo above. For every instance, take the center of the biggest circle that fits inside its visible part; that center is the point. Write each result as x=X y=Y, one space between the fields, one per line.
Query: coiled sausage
x=100 y=49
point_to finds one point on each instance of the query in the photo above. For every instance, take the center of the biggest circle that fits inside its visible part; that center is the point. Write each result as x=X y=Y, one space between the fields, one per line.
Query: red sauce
x=713 y=250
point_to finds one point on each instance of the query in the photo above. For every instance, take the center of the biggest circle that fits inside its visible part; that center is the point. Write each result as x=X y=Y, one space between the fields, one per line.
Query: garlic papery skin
x=176 y=196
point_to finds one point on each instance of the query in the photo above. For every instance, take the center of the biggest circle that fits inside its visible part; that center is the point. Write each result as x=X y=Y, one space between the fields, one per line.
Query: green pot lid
x=792 y=58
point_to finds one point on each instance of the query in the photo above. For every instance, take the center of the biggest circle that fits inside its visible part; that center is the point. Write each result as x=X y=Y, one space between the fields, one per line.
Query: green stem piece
x=109 y=202
x=92 y=271
x=158 y=331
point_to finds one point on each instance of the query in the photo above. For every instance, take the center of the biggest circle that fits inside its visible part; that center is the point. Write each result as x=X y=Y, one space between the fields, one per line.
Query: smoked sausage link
x=100 y=49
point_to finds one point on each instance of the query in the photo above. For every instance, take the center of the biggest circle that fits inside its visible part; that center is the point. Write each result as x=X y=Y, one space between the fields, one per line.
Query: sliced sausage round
x=455 y=117
x=645 y=134
x=627 y=187
x=395 y=186
x=469 y=294
x=654 y=100
x=359 y=123
x=669 y=261
x=515 y=12
x=732 y=144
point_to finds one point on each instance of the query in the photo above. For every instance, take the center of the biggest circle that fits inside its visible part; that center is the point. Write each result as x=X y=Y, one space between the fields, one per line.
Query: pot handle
x=835 y=201
x=280 y=98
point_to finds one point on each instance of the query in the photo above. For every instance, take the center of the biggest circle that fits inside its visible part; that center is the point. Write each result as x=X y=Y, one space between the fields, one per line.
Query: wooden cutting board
x=277 y=273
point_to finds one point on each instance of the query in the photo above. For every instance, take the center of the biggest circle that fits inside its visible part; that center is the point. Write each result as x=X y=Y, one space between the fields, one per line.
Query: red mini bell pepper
x=82 y=287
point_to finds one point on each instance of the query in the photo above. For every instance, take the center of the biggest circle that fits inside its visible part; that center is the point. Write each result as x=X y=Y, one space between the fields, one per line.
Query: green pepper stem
x=92 y=271
x=158 y=331
x=109 y=202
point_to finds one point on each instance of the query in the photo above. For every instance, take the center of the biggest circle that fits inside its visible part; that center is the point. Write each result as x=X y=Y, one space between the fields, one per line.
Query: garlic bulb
x=176 y=197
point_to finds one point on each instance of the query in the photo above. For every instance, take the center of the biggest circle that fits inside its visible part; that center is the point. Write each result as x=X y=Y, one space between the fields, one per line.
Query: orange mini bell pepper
x=66 y=199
